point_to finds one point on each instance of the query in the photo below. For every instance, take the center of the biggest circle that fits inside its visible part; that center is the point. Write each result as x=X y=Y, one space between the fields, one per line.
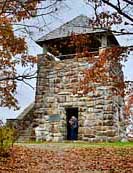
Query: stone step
x=26 y=135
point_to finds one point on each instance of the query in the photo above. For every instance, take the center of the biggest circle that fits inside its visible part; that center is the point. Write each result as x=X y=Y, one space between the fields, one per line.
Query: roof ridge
x=65 y=23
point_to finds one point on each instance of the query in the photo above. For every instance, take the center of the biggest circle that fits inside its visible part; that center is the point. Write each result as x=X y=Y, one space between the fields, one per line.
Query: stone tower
x=98 y=113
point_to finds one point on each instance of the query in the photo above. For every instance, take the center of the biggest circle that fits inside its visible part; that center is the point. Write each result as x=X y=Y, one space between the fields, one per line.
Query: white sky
x=25 y=94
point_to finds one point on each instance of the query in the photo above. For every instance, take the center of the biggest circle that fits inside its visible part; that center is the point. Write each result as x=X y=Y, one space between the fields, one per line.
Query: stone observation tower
x=59 y=73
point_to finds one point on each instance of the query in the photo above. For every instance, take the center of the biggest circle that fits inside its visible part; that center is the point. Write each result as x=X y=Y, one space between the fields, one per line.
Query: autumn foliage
x=13 y=48
x=105 y=70
x=108 y=13
x=69 y=160
x=129 y=105
x=104 y=64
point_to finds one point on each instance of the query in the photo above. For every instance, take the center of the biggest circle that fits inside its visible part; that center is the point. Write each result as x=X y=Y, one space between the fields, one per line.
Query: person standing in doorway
x=73 y=127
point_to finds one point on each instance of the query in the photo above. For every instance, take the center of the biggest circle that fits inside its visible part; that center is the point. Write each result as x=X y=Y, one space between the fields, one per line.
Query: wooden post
x=104 y=41
x=44 y=49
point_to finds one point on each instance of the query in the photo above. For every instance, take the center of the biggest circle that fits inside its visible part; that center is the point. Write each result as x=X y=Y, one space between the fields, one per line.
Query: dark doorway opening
x=69 y=113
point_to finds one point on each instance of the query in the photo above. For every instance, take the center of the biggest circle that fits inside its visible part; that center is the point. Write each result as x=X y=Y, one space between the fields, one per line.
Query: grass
x=80 y=144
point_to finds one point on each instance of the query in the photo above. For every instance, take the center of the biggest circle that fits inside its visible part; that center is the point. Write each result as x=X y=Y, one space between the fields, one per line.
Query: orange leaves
x=19 y=10
x=13 y=49
x=105 y=69
x=72 y=160
x=129 y=104
x=7 y=91
x=80 y=43
x=104 y=64
x=26 y=60
x=8 y=41
x=107 y=19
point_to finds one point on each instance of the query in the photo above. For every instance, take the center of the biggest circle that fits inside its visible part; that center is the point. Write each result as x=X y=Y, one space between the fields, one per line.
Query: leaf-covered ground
x=54 y=158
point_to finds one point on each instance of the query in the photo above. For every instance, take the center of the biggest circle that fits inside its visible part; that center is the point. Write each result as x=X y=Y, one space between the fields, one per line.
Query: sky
x=68 y=10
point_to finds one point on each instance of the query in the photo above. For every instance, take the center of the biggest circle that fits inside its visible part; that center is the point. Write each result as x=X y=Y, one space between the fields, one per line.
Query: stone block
x=51 y=99
x=64 y=93
x=90 y=94
x=80 y=122
x=57 y=139
x=92 y=140
x=98 y=123
x=86 y=123
x=91 y=116
x=101 y=128
x=108 y=117
x=50 y=111
x=81 y=103
x=57 y=134
x=61 y=99
x=113 y=139
x=109 y=133
x=83 y=98
x=109 y=102
x=97 y=94
x=101 y=138
x=80 y=130
x=73 y=80
x=108 y=123
x=69 y=99
x=74 y=99
x=90 y=104
x=56 y=90
x=88 y=131
x=99 y=107
x=57 y=80
x=55 y=129
x=58 y=66
x=99 y=115
x=90 y=98
x=98 y=110
x=109 y=112
x=82 y=109
x=49 y=138
x=124 y=140
x=130 y=139
x=99 y=102
x=85 y=138
x=90 y=109
x=108 y=107
x=89 y=135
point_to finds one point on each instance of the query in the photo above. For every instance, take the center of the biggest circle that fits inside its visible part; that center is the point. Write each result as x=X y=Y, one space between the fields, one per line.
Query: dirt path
x=51 y=146
x=56 y=146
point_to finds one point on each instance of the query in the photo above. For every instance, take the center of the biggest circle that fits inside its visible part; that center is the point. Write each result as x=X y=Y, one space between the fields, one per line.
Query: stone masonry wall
x=98 y=118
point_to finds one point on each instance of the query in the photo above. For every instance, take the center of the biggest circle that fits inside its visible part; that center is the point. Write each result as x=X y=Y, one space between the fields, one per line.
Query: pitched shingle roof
x=78 y=25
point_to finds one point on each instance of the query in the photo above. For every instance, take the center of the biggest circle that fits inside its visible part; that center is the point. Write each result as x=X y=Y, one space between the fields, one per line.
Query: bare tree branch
x=129 y=2
x=19 y=77
x=118 y=10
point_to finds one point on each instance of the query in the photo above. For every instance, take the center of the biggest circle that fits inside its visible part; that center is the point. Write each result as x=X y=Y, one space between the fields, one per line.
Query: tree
x=13 y=48
x=129 y=98
x=108 y=13
x=121 y=8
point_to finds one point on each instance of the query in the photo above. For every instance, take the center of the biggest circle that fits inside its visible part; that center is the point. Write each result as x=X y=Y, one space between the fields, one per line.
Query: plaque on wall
x=54 y=118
